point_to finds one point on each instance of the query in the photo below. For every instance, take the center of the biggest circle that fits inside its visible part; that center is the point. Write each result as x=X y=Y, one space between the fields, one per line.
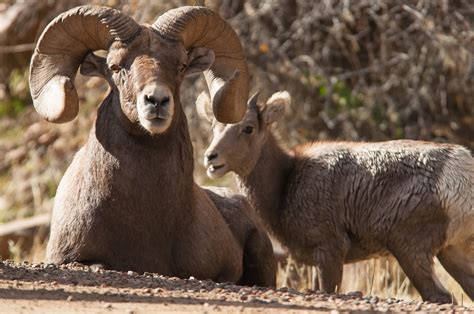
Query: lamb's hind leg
x=418 y=266
x=458 y=260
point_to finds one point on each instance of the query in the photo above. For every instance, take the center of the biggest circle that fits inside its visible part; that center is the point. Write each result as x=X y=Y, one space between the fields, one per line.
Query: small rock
x=243 y=298
x=374 y=300
x=355 y=294
x=108 y=306
x=131 y=273
x=69 y=298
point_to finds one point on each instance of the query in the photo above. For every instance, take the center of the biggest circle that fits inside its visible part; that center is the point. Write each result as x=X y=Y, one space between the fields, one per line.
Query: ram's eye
x=248 y=129
x=114 y=68
x=182 y=68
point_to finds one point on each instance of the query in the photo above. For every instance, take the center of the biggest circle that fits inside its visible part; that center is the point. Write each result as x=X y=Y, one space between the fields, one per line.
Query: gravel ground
x=26 y=288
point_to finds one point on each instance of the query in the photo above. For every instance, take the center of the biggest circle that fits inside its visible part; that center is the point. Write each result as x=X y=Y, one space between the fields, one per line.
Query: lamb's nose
x=157 y=102
x=211 y=156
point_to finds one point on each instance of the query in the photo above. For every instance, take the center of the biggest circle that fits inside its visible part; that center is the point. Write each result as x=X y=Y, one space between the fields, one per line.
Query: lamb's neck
x=266 y=184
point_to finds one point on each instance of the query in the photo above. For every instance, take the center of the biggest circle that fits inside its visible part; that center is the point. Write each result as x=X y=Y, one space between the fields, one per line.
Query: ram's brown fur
x=128 y=201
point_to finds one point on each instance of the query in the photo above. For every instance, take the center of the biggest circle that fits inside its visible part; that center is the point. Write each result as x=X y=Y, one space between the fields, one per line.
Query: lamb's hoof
x=442 y=299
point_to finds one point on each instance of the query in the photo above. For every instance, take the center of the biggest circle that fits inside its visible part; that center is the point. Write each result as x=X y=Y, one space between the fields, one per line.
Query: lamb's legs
x=329 y=266
x=259 y=265
x=458 y=260
x=418 y=267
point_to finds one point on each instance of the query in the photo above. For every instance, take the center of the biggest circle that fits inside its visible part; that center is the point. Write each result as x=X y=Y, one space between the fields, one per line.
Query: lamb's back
x=368 y=189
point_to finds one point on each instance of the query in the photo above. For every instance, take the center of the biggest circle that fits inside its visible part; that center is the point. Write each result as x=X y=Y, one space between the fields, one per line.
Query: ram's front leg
x=329 y=264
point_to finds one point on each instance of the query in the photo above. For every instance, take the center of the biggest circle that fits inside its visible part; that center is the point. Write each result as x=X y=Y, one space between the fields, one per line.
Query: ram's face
x=147 y=74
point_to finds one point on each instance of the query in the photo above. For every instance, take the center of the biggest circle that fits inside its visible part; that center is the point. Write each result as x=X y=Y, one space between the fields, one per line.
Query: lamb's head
x=237 y=147
x=145 y=65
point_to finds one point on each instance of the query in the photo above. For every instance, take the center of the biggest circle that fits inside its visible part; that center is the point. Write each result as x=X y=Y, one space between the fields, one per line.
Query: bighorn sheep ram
x=128 y=200
x=332 y=203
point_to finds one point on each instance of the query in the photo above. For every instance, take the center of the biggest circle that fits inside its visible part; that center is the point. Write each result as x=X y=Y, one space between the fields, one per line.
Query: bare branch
x=17 y=48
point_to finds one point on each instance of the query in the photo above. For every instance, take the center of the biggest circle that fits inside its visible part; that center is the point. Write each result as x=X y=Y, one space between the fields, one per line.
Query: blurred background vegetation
x=357 y=70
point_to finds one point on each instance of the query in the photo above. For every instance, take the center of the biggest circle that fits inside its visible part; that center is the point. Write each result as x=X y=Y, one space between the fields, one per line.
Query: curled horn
x=61 y=49
x=227 y=79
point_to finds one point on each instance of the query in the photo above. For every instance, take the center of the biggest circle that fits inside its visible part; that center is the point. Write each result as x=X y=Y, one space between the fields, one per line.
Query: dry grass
x=381 y=277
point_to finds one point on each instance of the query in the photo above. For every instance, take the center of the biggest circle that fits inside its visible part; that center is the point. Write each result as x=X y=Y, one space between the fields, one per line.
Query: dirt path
x=73 y=288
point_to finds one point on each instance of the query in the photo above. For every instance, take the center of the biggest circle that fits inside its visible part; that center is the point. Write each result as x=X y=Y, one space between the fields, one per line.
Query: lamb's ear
x=200 y=59
x=275 y=107
x=95 y=66
x=203 y=107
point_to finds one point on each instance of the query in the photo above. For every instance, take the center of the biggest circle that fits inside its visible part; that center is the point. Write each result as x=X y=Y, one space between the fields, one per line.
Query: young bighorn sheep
x=332 y=203
x=128 y=200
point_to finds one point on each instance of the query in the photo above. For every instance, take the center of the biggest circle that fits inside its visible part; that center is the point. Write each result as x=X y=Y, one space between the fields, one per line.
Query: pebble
x=355 y=294
x=112 y=283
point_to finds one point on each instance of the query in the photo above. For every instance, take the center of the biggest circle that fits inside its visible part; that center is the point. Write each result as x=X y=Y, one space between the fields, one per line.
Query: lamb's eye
x=114 y=68
x=248 y=129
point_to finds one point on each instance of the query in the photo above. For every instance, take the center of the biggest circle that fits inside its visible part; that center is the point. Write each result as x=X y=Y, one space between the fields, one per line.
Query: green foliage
x=19 y=94
x=11 y=107
x=341 y=96
x=52 y=186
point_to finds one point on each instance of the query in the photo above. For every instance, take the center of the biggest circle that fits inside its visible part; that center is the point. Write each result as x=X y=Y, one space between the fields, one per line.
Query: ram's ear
x=199 y=59
x=275 y=107
x=203 y=107
x=95 y=66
